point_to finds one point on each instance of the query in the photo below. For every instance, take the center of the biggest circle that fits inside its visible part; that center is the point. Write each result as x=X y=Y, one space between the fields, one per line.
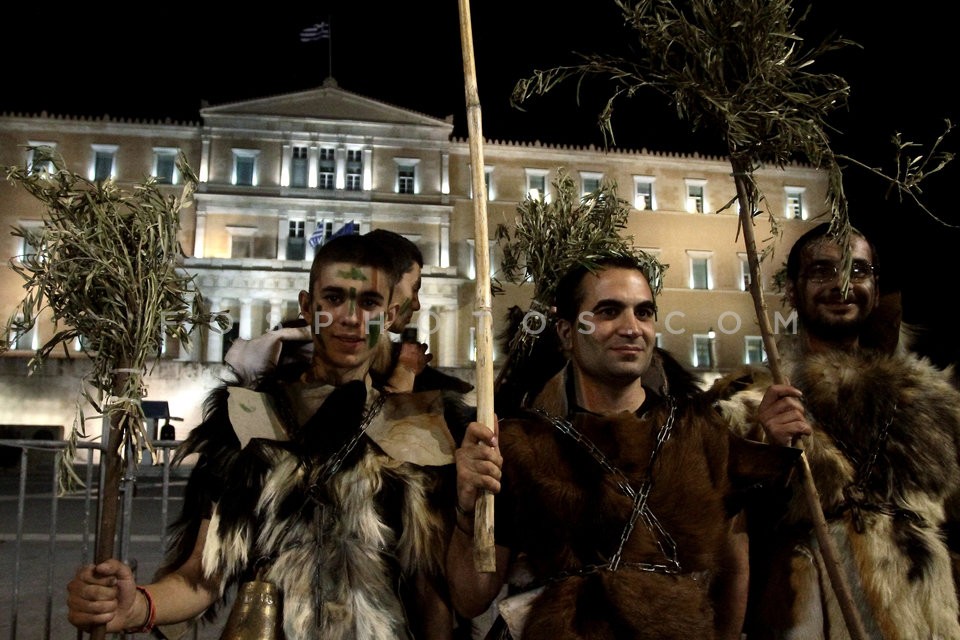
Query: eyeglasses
x=821 y=272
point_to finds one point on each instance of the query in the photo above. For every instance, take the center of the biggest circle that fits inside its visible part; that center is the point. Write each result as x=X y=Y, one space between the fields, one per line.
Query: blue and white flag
x=316 y=238
x=349 y=229
x=315 y=32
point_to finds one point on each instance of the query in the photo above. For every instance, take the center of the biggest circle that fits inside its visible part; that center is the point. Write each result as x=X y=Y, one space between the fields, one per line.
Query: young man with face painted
x=884 y=455
x=318 y=482
x=400 y=365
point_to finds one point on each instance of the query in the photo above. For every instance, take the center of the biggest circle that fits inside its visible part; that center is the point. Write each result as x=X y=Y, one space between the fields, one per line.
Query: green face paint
x=373 y=334
x=354 y=273
x=352 y=301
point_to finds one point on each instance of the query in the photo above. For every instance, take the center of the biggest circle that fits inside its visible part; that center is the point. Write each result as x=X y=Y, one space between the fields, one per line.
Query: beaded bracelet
x=147 y=625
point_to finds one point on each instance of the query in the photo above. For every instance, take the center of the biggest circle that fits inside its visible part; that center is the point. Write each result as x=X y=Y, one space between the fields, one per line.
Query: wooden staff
x=828 y=548
x=111 y=461
x=484 y=557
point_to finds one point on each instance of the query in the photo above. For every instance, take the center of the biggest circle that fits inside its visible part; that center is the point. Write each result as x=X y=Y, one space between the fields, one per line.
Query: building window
x=327 y=168
x=794 y=197
x=25 y=341
x=488 y=182
x=589 y=182
x=241 y=247
x=407 y=175
x=472 y=265
x=165 y=165
x=82 y=343
x=245 y=167
x=28 y=243
x=299 y=167
x=38 y=159
x=296 y=240
x=753 y=350
x=537 y=184
x=242 y=241
x=354 y=170
x=696 y=200
x=744 y=272
x=700 y=277
x=104 y=167
x=658 y=340
x=700 y=273
x=472 y=354
x=703 y=351
x=643 y=193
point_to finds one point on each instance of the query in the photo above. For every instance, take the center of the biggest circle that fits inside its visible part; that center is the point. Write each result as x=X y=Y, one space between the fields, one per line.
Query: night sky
x=132 y=64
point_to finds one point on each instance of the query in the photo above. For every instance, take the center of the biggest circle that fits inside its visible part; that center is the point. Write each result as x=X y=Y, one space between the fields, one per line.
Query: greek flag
x=349 y=229
x=316 y=238
x=315 y=32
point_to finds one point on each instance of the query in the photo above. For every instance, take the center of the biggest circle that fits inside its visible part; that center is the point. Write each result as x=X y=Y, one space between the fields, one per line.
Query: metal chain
x=855 y=493
x=336 y=461
x=329 y=469
x=665 y=543
x=864 y=473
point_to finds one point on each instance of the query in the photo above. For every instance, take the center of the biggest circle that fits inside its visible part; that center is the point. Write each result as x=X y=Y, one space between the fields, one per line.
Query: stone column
x=276 y=312
x=246 y=318
x=214 y=337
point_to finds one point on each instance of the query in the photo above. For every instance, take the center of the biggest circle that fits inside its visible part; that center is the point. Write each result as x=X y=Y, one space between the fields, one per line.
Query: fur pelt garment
x=563 y=512
x=897 y=562
x=344 y=550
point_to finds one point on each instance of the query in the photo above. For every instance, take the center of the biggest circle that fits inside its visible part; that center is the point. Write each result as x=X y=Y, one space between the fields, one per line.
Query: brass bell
x=256 y=613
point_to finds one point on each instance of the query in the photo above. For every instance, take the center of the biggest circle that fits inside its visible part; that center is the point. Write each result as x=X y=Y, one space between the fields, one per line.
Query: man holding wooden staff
x=616 y=500
x=884 y=455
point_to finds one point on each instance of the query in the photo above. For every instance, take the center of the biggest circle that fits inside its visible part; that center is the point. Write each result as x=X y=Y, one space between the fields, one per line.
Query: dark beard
x=832 y=331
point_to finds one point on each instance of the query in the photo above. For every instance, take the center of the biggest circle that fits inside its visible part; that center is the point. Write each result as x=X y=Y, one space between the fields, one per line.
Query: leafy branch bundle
x=106 y=267
x=549 y=238
x=545 y=241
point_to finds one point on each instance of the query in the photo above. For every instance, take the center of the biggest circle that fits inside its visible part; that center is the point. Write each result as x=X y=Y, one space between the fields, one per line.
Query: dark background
x=166 y=64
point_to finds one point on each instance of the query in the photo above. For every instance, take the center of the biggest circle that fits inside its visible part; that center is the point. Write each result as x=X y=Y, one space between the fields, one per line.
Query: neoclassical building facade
x=280 y=173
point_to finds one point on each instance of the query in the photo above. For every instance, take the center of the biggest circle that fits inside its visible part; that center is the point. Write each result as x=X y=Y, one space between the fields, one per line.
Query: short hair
x=354 y=249
x=403 y=252
x=820 y=231
x=569 y=292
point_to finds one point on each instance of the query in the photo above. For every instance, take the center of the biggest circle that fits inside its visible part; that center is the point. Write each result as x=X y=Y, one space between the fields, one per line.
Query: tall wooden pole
x=828 y=548
x=112 y=463
x=483 y=545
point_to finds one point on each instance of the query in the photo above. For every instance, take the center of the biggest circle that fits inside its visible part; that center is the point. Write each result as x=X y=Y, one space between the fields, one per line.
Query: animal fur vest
x=884 y=458
x=566 y=513
x=334 y=495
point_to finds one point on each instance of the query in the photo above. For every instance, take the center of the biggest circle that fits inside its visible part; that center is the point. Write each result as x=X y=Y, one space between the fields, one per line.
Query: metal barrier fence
x=52 y=533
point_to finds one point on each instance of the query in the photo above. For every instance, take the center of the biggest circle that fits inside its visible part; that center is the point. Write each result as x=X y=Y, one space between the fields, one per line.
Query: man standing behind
x=616 y=497
x=884 y=457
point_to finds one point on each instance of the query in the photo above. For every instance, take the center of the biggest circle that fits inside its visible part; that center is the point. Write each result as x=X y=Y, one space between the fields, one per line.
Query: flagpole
x=320 y=31
x=330 y=47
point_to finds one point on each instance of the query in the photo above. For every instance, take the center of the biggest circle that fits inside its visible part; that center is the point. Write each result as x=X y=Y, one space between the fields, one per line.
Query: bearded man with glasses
x=884 y=457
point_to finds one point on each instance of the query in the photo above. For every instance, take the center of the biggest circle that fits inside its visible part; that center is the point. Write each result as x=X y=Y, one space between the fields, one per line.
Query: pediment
x=327 y=102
